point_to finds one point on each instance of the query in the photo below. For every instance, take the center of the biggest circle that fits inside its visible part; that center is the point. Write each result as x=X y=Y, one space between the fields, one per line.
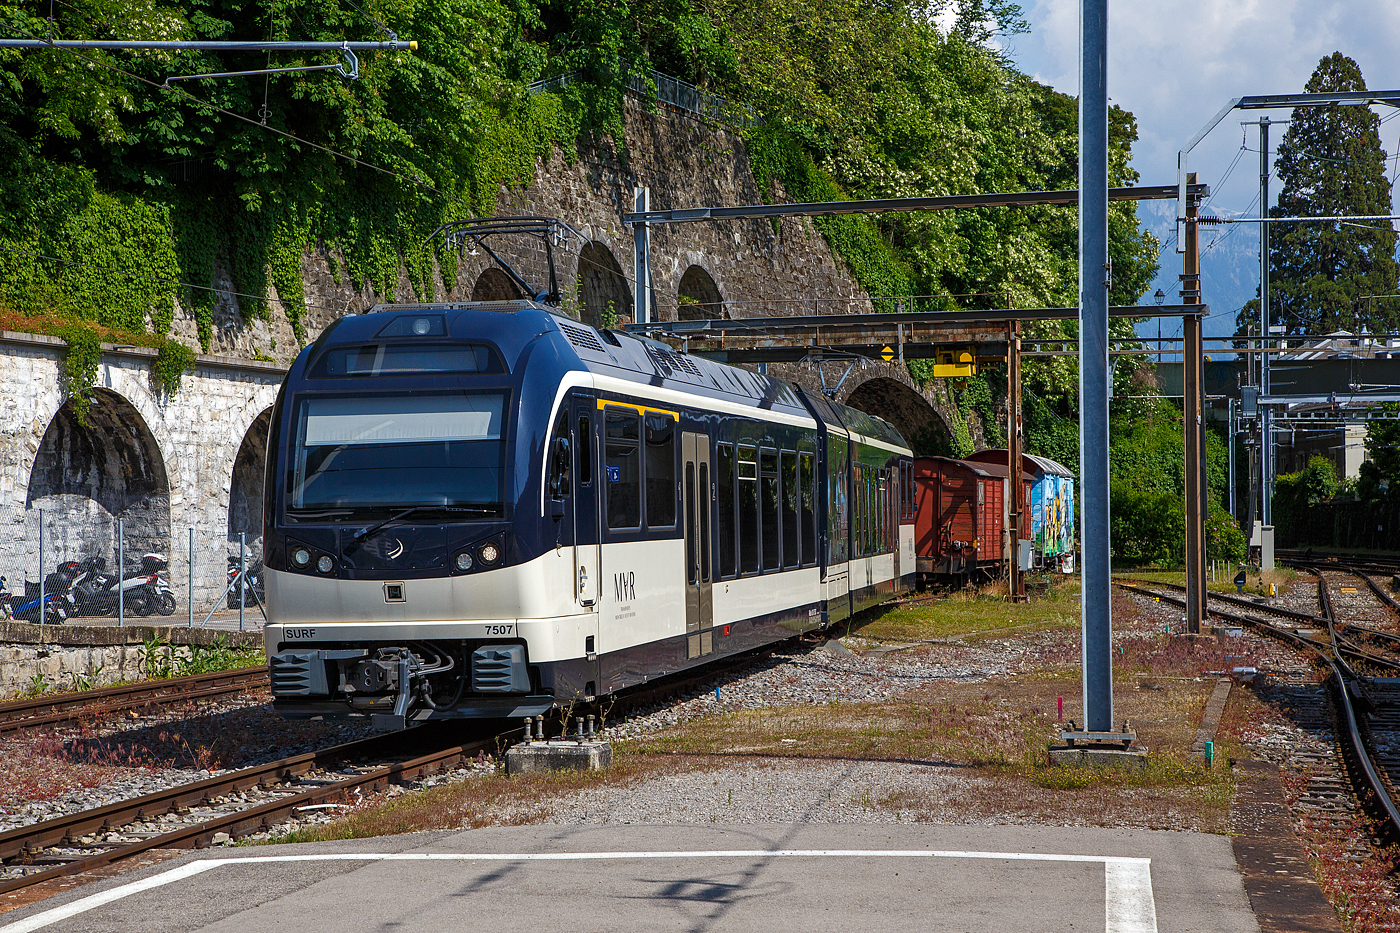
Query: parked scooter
x=57 y=596
x=143 y=591
x=146 y=591
x=252 y=584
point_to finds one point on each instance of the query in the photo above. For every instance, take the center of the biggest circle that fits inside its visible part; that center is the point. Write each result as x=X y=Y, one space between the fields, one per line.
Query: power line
x=76 y=51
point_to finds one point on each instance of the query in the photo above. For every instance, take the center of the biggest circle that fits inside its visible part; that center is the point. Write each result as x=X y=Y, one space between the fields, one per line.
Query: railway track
x=256 y=799
x=236 y=803
x=1360 y=707
x=60 y=709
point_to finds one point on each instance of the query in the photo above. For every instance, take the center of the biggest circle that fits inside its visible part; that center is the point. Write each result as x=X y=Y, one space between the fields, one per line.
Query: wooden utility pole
x=1015 y=492
x=1193 y=425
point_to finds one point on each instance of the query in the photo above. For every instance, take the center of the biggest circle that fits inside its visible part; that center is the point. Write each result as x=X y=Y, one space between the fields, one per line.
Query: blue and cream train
x=488 y=510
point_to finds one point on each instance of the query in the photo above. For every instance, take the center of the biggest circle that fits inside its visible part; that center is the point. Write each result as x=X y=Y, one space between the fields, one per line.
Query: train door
x=696 y=485
x=587 y=534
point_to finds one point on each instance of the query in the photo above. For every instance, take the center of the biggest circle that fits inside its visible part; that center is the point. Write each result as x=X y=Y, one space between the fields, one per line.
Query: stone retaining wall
x=90 y=657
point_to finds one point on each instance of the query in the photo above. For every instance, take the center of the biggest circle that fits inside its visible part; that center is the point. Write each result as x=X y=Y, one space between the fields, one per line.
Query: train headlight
x=301 y=557
x=489 y=553
x=422 y=326
x=325 y=564
x=464 y=561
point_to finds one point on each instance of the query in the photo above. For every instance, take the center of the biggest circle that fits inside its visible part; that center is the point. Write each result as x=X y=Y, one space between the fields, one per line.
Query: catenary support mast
x=1094 y=274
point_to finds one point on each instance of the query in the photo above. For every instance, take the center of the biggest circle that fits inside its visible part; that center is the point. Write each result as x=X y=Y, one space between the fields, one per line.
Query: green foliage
x=1379 y=479
x=1331 y=162
x=173 y=360
x=1294 y=493
x=978 y=397
x=1146 y=526
x=80 y=363
x=132 y=189
x=160 y=660
x=1224 y=538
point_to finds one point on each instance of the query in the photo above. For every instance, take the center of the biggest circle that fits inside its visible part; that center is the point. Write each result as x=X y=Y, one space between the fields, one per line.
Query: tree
x=1331 y=163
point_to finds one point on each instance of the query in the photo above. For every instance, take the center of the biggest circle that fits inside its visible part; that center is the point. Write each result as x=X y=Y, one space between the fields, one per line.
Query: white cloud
x=1175 y=64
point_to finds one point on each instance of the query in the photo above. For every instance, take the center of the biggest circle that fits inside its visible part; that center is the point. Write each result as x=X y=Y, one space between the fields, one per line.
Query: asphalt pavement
x=772 y=879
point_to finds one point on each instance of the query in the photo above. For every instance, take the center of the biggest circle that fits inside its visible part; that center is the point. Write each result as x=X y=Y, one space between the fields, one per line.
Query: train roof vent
x=583 y=337
x=669 y=362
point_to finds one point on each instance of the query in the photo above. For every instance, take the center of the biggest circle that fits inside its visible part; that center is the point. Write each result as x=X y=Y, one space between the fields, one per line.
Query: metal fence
x=668 y=90
x=203 y=576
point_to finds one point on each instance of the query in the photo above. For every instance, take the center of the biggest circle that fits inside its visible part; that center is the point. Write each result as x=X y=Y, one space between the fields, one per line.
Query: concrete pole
x=1015 y=499
x=1095 y=607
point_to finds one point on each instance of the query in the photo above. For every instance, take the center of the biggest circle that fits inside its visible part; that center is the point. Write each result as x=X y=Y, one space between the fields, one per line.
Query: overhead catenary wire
x=412 y=179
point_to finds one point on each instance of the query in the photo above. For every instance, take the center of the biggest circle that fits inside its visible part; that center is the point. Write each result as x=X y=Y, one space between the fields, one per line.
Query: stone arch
x=494 y=285
x=245 y=496
x=601 y=283
x=88 y=476
x=921 y=424
x=698 y=297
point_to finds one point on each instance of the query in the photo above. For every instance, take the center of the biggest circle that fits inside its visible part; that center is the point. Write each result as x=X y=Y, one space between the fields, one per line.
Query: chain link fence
x=99 y=569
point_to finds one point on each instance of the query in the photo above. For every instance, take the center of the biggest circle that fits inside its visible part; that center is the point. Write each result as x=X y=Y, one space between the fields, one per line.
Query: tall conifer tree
x=1331 y=163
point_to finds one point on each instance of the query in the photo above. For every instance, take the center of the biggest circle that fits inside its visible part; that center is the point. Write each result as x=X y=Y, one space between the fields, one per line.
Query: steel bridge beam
x=892 y=205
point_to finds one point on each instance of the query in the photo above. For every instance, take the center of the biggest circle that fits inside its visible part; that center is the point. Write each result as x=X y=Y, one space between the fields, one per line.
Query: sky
x=1175 y=63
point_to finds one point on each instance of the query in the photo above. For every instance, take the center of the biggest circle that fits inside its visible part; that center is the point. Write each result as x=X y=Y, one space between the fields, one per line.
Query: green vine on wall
x=173 y=360
x=80 y=364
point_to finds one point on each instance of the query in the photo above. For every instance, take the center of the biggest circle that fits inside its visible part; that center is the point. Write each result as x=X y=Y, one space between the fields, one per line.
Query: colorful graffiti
x=1052 y=517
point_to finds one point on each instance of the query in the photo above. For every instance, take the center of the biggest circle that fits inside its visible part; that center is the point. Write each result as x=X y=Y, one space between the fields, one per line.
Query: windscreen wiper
x=366 y=532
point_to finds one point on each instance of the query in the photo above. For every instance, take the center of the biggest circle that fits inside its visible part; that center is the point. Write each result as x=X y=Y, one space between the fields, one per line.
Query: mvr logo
x=625 y=586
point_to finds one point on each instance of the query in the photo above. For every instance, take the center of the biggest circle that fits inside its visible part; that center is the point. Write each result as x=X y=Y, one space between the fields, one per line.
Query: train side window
x=690 y=531
x=769 y=493
x=724 y=466
x=807 y=477
x=858 y=510
x=585 y=451
x=624 y=468
x=792 y=550
x=557 y=486
x=748 y=510
x=704 y=522
x=661 y=471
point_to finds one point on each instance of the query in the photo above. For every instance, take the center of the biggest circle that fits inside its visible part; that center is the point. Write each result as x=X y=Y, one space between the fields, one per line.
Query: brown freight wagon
x=959 y=518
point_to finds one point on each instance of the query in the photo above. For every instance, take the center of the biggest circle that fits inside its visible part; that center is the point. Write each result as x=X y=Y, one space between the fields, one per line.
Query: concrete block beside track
x=558 y=756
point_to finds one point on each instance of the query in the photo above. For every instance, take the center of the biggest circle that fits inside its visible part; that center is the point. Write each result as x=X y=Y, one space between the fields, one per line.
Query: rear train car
x=490 y=510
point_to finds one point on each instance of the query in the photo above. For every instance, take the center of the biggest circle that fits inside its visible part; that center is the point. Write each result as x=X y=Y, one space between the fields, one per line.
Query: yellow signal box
x=955 y=362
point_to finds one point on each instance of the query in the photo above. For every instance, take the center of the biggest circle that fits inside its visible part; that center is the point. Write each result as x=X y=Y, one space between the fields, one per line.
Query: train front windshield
x=359 y=455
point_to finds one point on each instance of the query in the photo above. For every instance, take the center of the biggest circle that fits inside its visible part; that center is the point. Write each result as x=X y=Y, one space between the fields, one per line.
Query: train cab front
x=394 y=568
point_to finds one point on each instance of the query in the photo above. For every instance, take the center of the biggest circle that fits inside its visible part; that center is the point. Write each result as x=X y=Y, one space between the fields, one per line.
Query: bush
x=1146 y=527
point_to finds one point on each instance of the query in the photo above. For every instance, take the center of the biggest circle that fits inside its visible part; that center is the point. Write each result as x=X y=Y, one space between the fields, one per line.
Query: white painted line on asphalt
x=1128 y=903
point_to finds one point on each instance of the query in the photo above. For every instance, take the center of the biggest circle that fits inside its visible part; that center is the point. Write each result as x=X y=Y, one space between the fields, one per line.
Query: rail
x=1342 y=687
x=57 y=709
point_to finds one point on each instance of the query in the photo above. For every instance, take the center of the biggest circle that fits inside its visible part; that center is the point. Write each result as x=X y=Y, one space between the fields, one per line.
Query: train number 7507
x=500 y=629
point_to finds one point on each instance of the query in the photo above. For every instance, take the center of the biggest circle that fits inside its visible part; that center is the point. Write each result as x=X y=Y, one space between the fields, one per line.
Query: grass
x=1257 y=583
x=972 y=612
